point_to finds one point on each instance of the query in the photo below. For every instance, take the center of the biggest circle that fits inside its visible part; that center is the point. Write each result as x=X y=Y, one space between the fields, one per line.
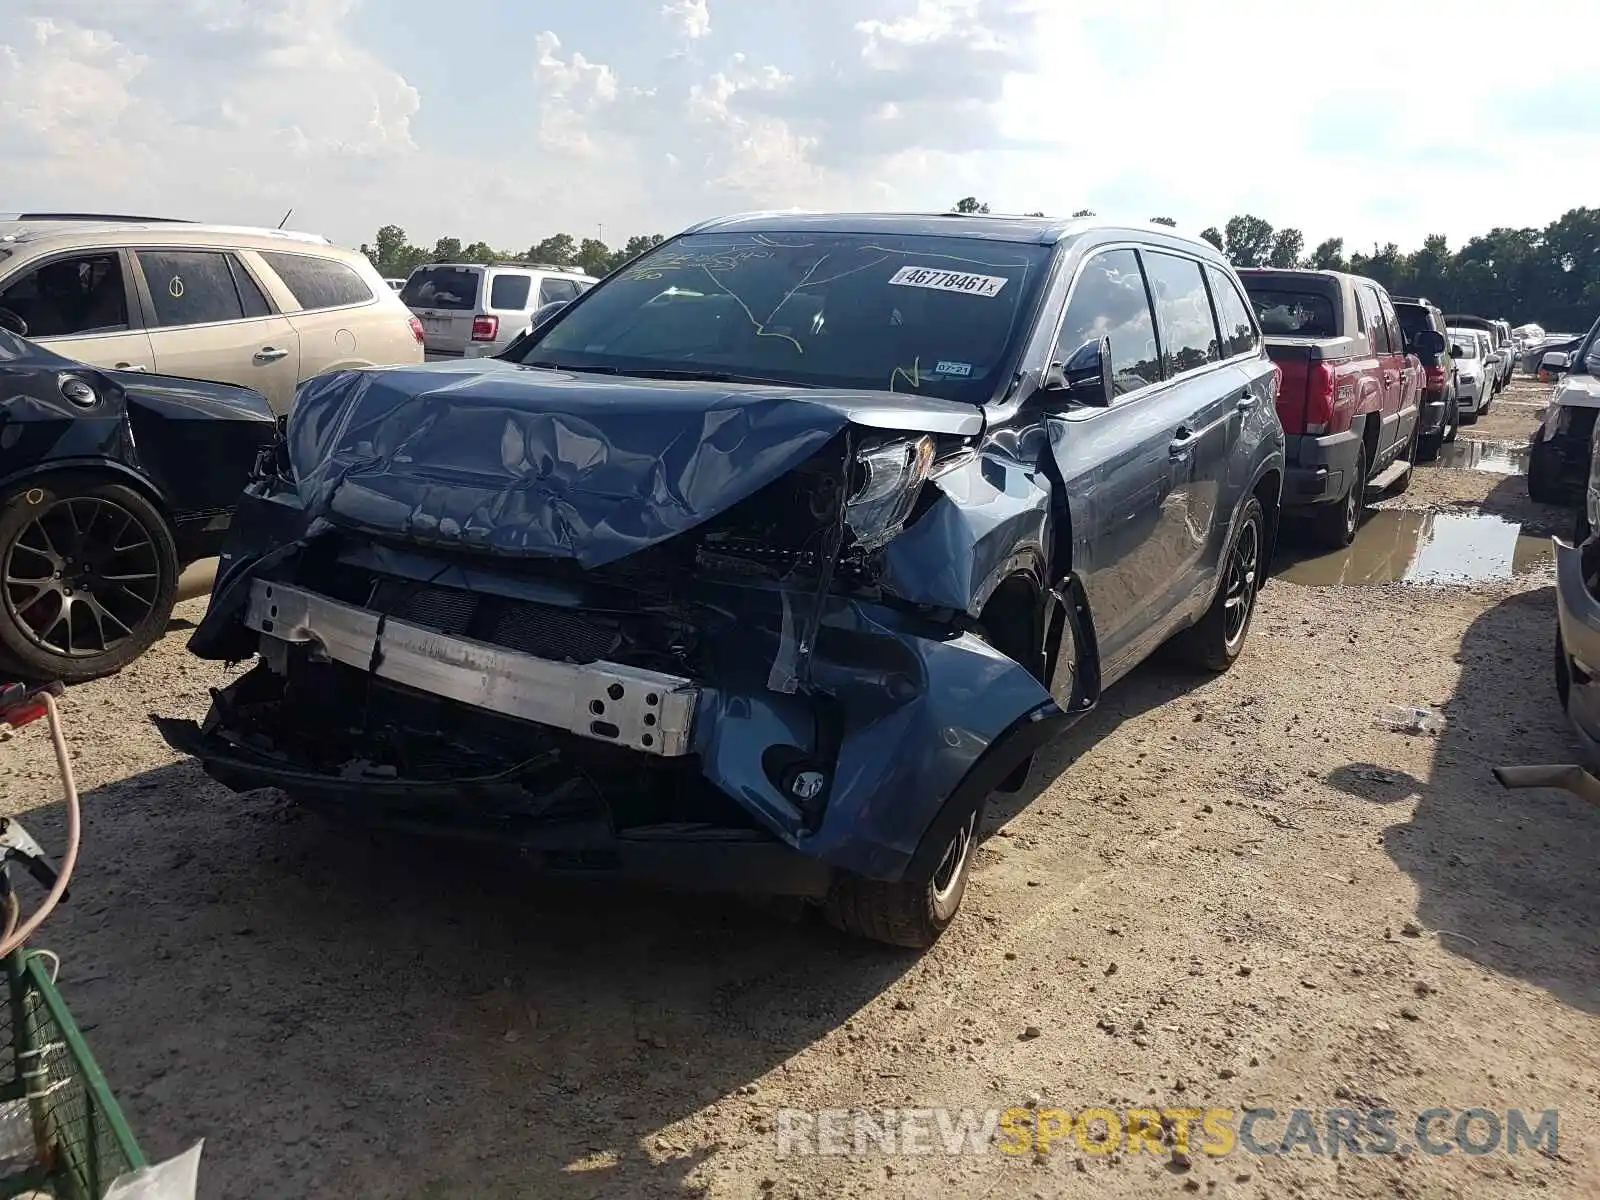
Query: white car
x=476 y=310
x=1469 y=349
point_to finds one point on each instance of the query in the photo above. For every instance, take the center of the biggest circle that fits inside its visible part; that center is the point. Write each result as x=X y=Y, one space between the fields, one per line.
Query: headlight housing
x=884 y=484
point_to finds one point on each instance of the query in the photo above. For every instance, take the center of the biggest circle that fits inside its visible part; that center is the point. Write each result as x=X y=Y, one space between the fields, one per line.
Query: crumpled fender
x=497 y=458
x=992 y=517
x=916 y=707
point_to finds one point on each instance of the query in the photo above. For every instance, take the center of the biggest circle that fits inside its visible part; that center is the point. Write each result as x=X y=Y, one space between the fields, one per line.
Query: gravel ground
x=1223 y=892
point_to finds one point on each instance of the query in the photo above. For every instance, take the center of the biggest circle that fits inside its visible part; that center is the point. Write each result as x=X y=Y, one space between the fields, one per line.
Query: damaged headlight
x=884 y=488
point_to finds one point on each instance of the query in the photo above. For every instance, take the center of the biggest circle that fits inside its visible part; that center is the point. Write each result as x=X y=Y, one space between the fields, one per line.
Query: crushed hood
x=512 y=460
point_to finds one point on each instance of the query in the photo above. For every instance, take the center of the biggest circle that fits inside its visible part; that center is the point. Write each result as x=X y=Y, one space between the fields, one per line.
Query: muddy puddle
x=1396 y=546
x=1495 y=458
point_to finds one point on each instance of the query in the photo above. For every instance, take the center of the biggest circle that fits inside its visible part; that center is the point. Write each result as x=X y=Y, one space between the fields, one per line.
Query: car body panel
x=189 y=444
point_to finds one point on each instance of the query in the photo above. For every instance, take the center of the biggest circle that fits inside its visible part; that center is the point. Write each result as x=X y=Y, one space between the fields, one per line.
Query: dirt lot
x=1228 y=892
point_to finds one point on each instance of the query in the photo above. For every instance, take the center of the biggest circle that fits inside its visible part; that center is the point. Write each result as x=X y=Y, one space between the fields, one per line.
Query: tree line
x=1549 y=275
x=395 y=257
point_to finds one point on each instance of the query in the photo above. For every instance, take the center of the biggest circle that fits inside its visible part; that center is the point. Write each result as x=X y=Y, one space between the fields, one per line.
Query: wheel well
x=1369 y=436
x=122 y=475
x=1269 y=491
x=1010 y=621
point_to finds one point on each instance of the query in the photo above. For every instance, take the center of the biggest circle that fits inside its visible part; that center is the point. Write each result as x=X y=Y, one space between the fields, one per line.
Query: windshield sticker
x=949 y=281
x=958 y=370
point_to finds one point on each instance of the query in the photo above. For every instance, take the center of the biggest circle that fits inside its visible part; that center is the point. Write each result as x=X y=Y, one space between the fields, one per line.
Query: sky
x=510 y=120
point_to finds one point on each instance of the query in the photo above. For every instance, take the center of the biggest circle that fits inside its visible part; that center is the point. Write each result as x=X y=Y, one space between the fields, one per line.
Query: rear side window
x=510 y=291
x=318 y=282
x=453 y=288
x=1183 y=309
x=551 y=290
x=1109 y=300
x=250 y=297
x=1391 y=324
x=1372 y=317
x=190 y=287
x=1294 y=313
x=1233 y=315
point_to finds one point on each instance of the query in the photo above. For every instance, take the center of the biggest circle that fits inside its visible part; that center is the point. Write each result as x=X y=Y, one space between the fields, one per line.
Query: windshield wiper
x=545 y=364
x=709 y=376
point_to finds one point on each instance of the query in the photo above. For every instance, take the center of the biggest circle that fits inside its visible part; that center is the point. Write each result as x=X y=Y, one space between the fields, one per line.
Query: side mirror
x=1455 y=350
x=1555 y=362
x=542 y=315
x=1085 y=378
x=1428 y=341
x=12 y=323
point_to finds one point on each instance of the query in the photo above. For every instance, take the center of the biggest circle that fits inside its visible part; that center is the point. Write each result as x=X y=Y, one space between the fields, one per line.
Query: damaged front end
x=619 y=625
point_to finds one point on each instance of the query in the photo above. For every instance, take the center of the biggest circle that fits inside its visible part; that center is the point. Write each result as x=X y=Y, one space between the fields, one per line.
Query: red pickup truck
x=1349 y=395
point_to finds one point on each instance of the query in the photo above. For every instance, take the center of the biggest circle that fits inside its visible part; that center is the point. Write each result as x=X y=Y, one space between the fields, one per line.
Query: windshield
x=1464 y=340
x=901 y=313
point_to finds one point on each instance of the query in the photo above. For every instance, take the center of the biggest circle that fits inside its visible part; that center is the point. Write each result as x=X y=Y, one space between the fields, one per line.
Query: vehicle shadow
x=1509 y=500
x=344 y=1013
x=1505 y=879
x=1157 y=681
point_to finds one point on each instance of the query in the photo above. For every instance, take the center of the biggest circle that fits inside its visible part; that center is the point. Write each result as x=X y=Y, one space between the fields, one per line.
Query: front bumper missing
x=641 y=710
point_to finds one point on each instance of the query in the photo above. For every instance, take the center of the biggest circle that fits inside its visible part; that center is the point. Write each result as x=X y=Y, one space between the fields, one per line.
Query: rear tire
x=1410 y=456
x=1215 y=642
x=1334 y=525
x=1541 y=490
x=910 y=914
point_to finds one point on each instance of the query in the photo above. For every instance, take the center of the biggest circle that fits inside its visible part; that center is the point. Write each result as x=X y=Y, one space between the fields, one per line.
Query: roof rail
x=79 y=216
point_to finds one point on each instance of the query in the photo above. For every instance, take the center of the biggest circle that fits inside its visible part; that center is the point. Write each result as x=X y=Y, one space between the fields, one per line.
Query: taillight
x=485 y=328
x=1277 y=382
x=416 y=330
x=1435 y=376
x=1319 y=398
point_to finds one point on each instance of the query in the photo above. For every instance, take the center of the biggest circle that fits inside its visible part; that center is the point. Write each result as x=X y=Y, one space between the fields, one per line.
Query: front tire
x=1452 y=421
x=88 y=576
x=1215 y=642
x=1541 y=489
x=910 y=914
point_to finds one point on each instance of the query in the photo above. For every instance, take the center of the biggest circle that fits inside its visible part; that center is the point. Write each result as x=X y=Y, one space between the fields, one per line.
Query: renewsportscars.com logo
x=1216 y=1132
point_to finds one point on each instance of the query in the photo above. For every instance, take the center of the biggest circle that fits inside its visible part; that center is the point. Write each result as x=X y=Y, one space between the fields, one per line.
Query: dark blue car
x=764 y=563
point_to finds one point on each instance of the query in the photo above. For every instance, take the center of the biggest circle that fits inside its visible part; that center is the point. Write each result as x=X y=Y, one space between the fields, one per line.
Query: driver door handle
x=1246 y=401
x=1182 y=443
x=268 y=354
x=130 y=366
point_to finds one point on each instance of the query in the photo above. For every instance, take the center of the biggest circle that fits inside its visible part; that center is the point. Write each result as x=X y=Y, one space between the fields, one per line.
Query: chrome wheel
x=81 y=577
x=1239 y=585
x=947 y=879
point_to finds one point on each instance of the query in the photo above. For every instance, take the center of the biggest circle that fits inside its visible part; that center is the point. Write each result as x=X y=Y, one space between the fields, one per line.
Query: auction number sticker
x=948 y=281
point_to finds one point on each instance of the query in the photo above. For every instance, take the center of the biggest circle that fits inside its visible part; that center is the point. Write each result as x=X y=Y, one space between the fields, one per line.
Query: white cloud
x=691 y=18
x=238 y=109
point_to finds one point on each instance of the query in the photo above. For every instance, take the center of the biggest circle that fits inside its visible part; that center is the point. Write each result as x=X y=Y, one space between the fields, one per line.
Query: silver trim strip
x=646 y=711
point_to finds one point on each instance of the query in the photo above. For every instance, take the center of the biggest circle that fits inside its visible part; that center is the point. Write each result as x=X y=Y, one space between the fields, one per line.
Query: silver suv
x=472 y=310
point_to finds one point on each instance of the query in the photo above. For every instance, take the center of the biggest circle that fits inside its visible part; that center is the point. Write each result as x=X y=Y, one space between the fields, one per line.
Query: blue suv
x=763 y=563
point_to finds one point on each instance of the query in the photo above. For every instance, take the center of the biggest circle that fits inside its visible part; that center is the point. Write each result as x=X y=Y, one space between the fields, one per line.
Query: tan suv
x=264 y=308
